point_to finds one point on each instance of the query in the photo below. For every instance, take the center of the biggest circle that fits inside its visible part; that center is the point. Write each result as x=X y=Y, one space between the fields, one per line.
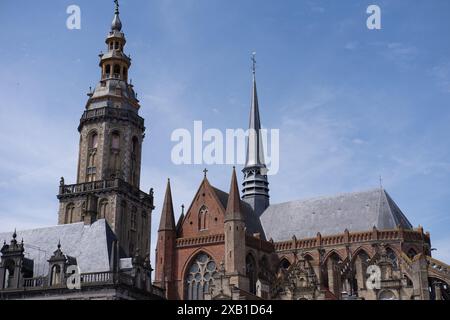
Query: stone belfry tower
x=109 y=162
x=255 y=186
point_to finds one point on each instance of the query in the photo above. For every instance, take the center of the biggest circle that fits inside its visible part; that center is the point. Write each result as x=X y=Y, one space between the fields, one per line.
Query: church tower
x=109 y=161
x=256 y=185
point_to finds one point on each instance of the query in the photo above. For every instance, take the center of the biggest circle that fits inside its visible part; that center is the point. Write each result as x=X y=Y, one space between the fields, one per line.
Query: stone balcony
x=109 y=113
x=117 y=185
x=92 y=282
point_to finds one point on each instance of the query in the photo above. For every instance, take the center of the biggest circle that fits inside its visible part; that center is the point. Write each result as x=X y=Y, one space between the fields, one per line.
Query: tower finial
x=117 y=6
x=116 y=24
x=254 y=62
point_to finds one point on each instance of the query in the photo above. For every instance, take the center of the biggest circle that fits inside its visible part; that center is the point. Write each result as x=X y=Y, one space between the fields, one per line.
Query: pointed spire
x=233 y=210
x=116 y=24
x=256 y=184
x=255 y=151
x=167 y=216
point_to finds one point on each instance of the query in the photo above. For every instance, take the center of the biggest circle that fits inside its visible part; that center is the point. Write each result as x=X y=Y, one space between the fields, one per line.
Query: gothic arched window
x=91 y=166
x=393 y=257
x=250 y=268
x=199 y=277
x=70 y=212
x=412 y=253
x=115 y=155
x=202 y=218
x=108 y=70
x=93 y=140
x=116 y=71
x=284 y=264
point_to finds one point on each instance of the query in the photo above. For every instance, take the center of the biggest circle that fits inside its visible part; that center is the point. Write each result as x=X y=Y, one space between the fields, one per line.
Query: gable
x=205 y=215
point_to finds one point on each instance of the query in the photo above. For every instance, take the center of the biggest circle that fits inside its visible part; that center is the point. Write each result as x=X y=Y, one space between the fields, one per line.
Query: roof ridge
x=323 y=197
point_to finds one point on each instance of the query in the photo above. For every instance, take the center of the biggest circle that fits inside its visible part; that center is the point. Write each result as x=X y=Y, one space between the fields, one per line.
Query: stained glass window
x=199 y=277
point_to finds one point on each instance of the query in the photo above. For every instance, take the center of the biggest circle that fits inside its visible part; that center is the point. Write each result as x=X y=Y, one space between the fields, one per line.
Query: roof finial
x=254 y=62
x=381 y=182
x=205 y=172
x=116 y=24
x=15 y=234
x=117 y=6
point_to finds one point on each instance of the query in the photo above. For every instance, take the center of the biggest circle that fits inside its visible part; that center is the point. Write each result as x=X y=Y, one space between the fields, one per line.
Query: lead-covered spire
x=255 y=150
x=256 y=185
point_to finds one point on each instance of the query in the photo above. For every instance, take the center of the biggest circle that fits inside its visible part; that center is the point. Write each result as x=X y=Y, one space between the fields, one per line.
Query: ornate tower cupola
x=110 y=149
x=256 y=185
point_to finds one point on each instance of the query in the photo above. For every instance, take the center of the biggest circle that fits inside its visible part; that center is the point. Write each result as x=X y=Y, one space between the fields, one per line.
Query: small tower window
x=117 y=71
x=93 y=141
x=108 y=70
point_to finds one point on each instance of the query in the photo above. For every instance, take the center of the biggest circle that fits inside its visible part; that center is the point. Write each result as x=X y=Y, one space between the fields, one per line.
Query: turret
x=165 y=248
x=235 y=237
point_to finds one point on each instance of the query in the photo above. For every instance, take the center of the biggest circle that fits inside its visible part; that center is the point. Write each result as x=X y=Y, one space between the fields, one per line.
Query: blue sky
x=351 y=104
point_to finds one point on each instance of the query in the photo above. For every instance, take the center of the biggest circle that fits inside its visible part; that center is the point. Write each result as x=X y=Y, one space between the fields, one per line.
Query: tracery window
x=199 y=277
x=393 y=257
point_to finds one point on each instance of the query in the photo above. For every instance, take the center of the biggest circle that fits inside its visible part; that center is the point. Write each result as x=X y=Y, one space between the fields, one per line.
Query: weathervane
x=117 y=6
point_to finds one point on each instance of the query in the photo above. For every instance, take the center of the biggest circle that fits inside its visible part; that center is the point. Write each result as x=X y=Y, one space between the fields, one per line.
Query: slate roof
x=90 y=245
x=252 y=223
x=359 y=211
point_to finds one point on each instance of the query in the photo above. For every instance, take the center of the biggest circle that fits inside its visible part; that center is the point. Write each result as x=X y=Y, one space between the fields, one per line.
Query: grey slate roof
x=90 y=245
x=359 y=211
x=252 y=223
